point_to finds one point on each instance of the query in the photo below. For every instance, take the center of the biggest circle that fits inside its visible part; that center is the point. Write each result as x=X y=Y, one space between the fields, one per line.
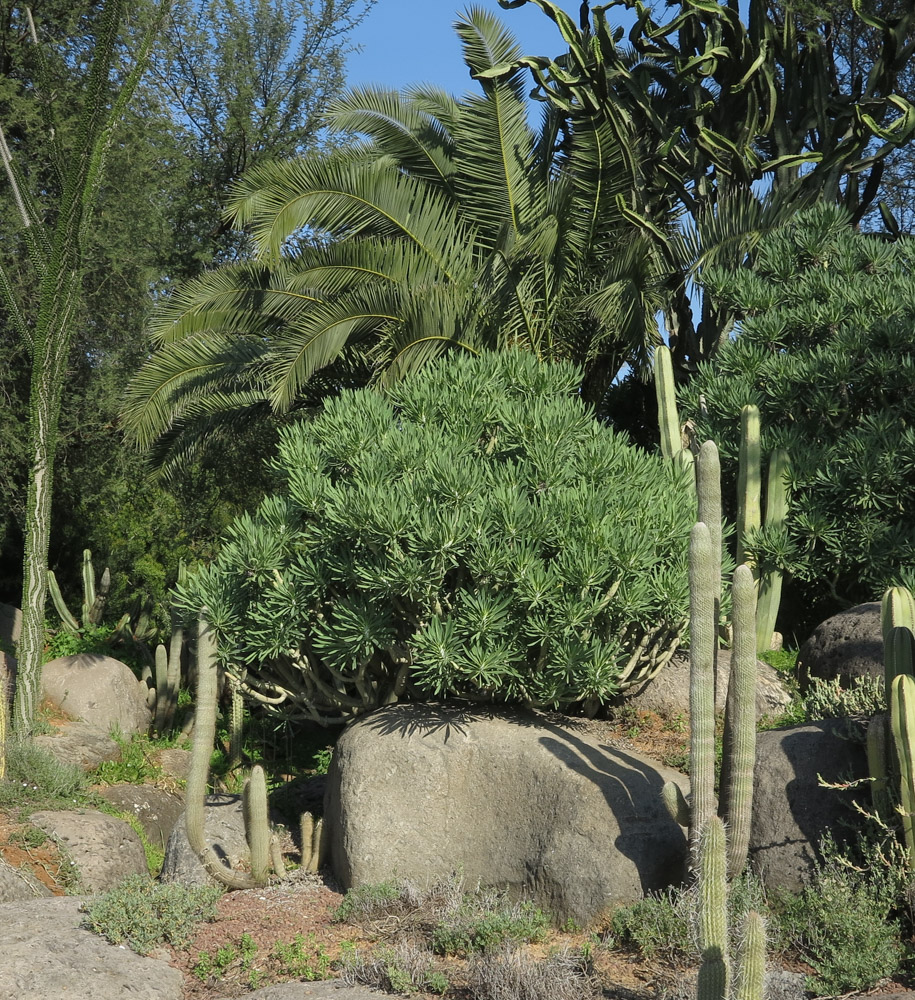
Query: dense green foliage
x=825 y=350
x=452 y=224
x=473 y=531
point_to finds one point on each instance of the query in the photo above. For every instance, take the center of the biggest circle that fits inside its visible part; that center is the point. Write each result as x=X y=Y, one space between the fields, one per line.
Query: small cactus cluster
x=257 y=825
x=675 y=447
x=94 y=597
x=717 y=855
x=898 y=625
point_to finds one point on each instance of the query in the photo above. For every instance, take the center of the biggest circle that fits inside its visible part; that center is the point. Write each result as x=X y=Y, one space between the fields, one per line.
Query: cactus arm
x=201 y=749
x=714 y=973
x=306 y=833
x=898 y=650
x=740 y=722
x=708 y=490
x=902 y=722
x=173 y=677
x=770 y=584
x=668 y=420
x=66 y=617
x=97 y=608
x=161 y=684
x=257 y=824
x=88 y=585
x=748 y=479
x=672 y=796
x=701 y=687
x=236 y=724
x=897 y=609
x=751 y=971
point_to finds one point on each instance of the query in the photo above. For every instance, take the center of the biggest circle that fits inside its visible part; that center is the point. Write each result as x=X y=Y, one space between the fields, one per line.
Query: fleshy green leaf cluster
x=825 y=350
x=472 y=531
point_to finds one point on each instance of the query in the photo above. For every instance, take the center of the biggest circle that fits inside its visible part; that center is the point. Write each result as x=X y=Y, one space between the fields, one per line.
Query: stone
x=175 y=762
x=10 y=626
x=327 y=989
x=224 y=826
x=156 y=809
x=47 y=953
x=848 y=645
x=791 y=811
x=668 y=693
x=99 y=690
x=18 y=883
x=104 y=849
x=80 y=743
x=511 y=799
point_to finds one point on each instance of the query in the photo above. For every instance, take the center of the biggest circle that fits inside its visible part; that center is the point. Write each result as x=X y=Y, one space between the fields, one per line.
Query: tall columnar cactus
x=902 y=722
x=715 y=971
x=770 y=583
x=708 y=494
x=256 y=822
x=749 y=479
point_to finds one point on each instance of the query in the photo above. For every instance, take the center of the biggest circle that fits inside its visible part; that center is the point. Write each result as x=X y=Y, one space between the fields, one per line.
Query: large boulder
x=792 y=812
x=19 y=883
x=80 y=743
x=848 y=645
x=511 y=799
x=668 y=693
x=47 y=953
x=97 y=689
x=104 y=849
x=155 y=809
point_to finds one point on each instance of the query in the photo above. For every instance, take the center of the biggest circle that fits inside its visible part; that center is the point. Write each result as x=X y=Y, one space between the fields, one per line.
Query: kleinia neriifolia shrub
x=471 y=531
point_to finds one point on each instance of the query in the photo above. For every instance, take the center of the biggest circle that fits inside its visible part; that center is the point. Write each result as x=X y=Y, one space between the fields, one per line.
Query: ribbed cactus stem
x=672 y=796
x=306 y=833
x=751 y=968
x=878 y=755
x=714 y=973
x=897 y=610
x=4 y=719
x=161 y=686
x=902 y=722
x=236 y=725
x=665 y=390
x=70 y=624
x=740 y=721
x=317 y=845
x=257 y=824
x=88 y=585
x=708 y=492
x=770 y=583
x=201 y=749
x=749 y=479
x=702 y=679
x=898 y=654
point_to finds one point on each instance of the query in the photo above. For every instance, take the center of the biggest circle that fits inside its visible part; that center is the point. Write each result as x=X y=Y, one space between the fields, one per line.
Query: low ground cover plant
x=472 y=531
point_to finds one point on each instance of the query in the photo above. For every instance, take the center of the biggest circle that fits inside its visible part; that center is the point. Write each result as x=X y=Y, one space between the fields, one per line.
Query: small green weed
x=135 y=764
x=29 y=837
x=782 y=660
x=829 y=700
x=367 y=900
x=145 y=914
x=322 y=760
x=34 y=775
x=658 y=925
x=486 y=920
x=404 y=968
x=90 y=639
x=301 y=958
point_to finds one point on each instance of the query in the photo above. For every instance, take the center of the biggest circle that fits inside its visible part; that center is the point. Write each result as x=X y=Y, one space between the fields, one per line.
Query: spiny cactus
x=902 y=722
x=312 y=835
x=94 y=598
x=770 y=583
x=256 y=821
x=749 y=479
x=715 y=970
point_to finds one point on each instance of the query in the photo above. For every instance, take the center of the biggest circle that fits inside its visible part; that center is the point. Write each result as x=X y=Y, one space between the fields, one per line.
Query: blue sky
x=406 y=42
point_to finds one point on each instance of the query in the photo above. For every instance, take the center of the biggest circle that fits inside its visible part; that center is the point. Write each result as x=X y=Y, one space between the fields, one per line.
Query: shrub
x=841 y=925
x=508 y=974
x=145 y=914
x=825 y=350
x=656 y=925
x=471 y=531
x=405 y=967
x=829 y=700
x=487 y=919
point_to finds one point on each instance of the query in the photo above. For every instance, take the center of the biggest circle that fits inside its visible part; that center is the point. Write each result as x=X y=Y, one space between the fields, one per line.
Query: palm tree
x=451 y=224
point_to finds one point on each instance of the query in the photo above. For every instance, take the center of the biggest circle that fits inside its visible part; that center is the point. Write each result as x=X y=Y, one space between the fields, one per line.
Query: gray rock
x=10 y=625
x=668 y=693
x=47 y=954
x=156 y=809
x=791 y=811
x=97 y=689
x=224 y=825
x=80 y=743
x=513 y=800
x=848 y=645
x=104 y=849
x=175 y=762
x=17 y=883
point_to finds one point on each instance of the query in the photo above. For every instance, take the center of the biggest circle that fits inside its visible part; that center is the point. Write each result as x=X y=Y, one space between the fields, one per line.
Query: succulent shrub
x=471 y=531
x=824 y=349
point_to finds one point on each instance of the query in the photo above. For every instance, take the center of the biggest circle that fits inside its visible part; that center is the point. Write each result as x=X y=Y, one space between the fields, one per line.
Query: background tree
x=54 y=235
x=453 y=224
x=825 y=350
x=709 y=109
